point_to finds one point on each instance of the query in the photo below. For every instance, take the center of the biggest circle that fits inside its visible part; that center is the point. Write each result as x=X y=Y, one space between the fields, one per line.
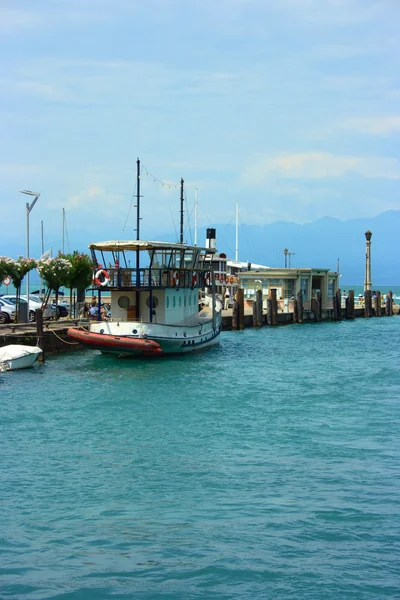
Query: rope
x=65 y=341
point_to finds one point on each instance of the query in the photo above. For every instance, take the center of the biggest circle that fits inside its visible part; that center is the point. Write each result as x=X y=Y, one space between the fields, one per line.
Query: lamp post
x=29 y=207
x=368 y=282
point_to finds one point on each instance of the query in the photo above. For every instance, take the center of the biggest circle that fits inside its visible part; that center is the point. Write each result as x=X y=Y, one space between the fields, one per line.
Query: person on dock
x=227 y=298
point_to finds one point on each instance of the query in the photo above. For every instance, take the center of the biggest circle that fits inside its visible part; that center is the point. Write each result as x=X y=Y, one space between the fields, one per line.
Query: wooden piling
x=295 y=312
x=339 y=304
x=389 y=304
x=274 y=308
x=350 y=305
x=378 y=304
x=367 y=304
x=300 y=308
x=269 y=311
x=39 y=330
x=318 y=307
x=235 y=315
x=240 y=301
x=259 y=308
x=255 y=323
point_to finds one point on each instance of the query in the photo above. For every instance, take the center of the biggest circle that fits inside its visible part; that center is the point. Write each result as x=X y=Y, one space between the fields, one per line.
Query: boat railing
x=152 y=278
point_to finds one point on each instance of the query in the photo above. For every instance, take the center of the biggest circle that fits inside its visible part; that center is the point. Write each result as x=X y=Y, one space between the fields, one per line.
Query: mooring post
x=235 y=315
x=255 y=323
x=259 y=308
x=318 y=307
x=274 y=308
x=300 y=308
x=240 y=300
x=339 y=304
x=269 y=311
x=350 y=305
x=295 y=312
x=378 y=304
x=39 y=329
x=389 y=304
x=367 y=303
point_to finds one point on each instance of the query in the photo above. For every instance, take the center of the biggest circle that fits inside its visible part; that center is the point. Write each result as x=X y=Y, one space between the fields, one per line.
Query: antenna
x=181 y=236
x=196 y=203
x=237 y=231
x=287 y=256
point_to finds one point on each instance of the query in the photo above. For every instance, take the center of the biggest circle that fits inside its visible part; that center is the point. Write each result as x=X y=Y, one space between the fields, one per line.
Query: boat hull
x=141 y=339
x=15 y=357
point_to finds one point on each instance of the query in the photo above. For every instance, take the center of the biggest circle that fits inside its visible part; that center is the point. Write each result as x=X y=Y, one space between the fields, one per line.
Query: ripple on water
x=266 y=467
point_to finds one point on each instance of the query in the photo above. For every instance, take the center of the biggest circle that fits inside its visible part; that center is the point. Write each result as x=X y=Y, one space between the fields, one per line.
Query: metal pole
x=138 y=238
x=63 y=221
x=196 y=202
x=27 y=254
x=181 y=236
x=237 y=231
x=368 y=282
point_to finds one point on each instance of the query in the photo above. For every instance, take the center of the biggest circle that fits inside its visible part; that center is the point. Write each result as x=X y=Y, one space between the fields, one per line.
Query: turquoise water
x=268 y=467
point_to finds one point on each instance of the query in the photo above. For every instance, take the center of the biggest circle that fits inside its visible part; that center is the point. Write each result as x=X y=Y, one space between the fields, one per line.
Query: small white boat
x=16 y=356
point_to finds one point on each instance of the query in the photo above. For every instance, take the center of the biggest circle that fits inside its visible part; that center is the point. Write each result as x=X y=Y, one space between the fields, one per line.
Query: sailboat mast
x=63 y=229
x=181 y=236
x=138 y=238
x=237 y=231
x=196 y=202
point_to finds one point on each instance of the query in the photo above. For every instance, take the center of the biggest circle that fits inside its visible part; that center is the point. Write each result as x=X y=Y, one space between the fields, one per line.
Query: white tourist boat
x=156 y=309
x=17 y=356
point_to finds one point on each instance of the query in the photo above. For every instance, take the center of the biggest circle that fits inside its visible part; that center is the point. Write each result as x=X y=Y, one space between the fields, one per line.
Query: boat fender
x=175 y=279
x=207 y=279
x=105 y=278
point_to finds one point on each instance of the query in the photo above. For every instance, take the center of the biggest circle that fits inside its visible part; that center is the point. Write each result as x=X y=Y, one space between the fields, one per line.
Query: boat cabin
x=151 y=281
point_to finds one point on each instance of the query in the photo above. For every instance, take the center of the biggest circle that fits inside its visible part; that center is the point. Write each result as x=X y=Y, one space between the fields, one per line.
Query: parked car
x=34 y=302
x=62 y=309
x=7 y=311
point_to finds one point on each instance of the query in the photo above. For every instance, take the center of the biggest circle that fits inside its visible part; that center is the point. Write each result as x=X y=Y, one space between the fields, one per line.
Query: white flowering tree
x=55 y=272
x=16 y=269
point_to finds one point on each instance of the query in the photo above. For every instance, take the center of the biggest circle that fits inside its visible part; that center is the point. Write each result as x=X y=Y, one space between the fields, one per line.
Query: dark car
x=62 y=310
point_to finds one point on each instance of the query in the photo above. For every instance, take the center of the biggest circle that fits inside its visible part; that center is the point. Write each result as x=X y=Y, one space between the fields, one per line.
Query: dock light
x=29 y=207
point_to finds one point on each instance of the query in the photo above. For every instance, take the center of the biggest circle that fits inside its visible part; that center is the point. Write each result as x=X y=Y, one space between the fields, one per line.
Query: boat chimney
x=211 y=239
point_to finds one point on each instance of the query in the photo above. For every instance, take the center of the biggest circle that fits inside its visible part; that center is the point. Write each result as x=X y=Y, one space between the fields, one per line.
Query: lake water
x=268 y=467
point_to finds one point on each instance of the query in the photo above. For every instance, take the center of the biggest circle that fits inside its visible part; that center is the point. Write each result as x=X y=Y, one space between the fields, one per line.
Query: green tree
x=17 y=269
x=55 y=272
x=81 y=273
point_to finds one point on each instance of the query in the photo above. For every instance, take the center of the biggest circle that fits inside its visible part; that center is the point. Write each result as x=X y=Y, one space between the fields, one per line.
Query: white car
x=7 y=311
x=34 y=302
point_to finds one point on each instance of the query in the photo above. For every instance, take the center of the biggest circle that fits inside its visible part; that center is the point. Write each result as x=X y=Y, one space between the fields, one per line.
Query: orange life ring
x=194 y=279
x=106 y=278
x=175 y=279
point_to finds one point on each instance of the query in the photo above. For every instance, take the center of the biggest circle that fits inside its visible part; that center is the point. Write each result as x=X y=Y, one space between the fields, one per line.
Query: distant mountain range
x=317 y=244
x=320 y=244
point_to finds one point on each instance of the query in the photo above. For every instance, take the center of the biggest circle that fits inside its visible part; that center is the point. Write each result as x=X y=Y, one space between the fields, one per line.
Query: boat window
x=160 y=259
x=189 y=258
x=173 y=301
x=185 y=300
x=167 y=302
x=180 y=301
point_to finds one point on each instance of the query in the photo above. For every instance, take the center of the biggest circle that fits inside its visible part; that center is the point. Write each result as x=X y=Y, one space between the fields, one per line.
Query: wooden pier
x=52 y=336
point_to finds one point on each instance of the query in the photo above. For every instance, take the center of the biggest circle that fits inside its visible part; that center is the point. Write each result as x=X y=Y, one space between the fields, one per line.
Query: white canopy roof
x=121 y=245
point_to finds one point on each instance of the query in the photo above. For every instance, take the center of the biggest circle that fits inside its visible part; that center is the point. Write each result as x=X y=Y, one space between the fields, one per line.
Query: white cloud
x=320 y=165
x=379 y=125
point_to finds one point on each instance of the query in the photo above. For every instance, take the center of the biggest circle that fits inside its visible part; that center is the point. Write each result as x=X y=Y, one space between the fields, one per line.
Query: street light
x=28 y=210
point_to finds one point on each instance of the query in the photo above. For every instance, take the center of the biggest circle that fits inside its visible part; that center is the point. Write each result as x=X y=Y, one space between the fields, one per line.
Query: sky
x=290 y=107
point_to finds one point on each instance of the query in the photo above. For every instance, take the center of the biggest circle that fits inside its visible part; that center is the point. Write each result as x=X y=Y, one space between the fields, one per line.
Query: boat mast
x=237 y=231
x=137 y=237
x=196 y=202
x=63 y=229
x=181 y=236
